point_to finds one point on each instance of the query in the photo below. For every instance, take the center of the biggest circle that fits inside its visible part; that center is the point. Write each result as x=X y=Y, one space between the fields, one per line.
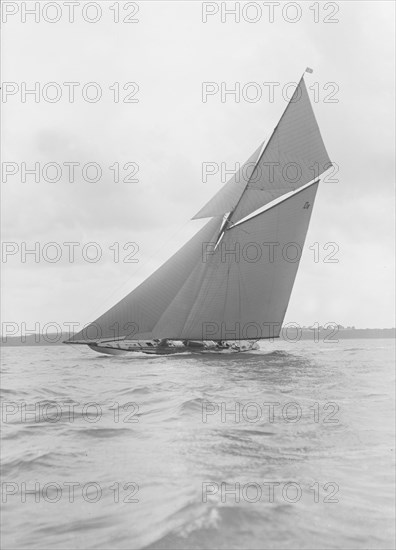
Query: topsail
x=234 y=278
x=293 y=156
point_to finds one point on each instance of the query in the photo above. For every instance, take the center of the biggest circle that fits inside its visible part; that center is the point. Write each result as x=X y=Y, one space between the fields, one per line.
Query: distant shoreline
x=293 y=335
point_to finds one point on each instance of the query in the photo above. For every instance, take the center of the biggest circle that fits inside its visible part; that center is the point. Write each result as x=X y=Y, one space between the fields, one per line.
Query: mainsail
x=241 y=289
x=234 y=278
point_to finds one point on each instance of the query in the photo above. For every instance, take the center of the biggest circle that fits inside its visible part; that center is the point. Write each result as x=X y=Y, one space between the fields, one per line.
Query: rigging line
x=193 y=273
x=226 y=290
x=273 y=276
x=263 y=151
x=203 y=289
x=283 y=114
x=242 y=282
x=239 y=293
x=228 y=220
x=204 y=292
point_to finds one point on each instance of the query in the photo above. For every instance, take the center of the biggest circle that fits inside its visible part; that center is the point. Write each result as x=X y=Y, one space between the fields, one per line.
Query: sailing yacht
x=230 y=285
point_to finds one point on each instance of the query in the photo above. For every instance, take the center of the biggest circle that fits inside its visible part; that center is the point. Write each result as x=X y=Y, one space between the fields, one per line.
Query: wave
x=192 y=405
x=99 y=433
x=35 y=460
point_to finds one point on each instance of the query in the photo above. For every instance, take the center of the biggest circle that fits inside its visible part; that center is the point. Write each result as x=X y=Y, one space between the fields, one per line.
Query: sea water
x=287 y=447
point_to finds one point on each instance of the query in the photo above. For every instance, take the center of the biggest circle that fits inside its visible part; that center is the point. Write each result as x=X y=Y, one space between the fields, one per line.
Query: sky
x=163 y=61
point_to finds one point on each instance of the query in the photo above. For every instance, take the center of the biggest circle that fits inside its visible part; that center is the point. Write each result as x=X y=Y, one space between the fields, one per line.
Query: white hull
x=107 y=350
x=168 y=347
